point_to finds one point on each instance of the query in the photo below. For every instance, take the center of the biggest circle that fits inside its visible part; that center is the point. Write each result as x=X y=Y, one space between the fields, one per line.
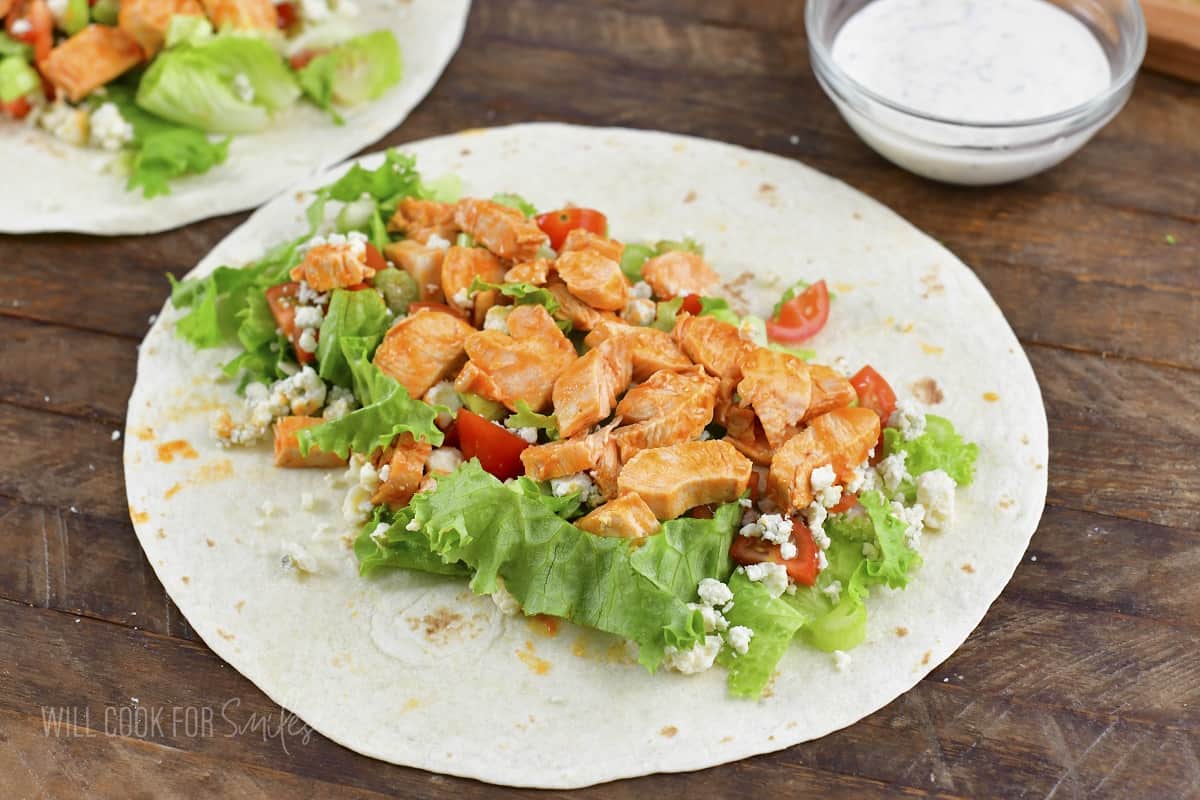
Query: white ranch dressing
x=973 y=60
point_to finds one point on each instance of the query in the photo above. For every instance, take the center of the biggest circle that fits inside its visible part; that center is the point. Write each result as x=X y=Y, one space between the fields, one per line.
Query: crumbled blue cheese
x=641 y=290
x=445 y=460
x=698 y=659
x=908 y=418
x=788 y=551
x=243 y=88
x=841 y=660
x=65 y=122
x=775 y=528
x=504 y=600
x=913 y=518
x=815 y=515
x=461 y=298
x=714 y=620
x=496 y=318
x=385 y=472
x=714 y=593
x=339 y=403
x=307 y=341
x=443 y=394
x=530 y=435
x=639 y=311
x=863 y=479
x=739 y=637
x=379 y=535
x=935 y=491
x=20 y=27
x=771 y=575
x=892 y=470
x=437 y=242
x=309 y=316
x=109 y=130
x=298 y=559
x=357 y=504
x=824 y=487
x=833 y=591
x=579 y=482
x=305 y=294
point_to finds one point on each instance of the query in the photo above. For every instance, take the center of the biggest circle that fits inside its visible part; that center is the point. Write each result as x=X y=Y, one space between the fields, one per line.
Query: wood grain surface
x=1083 y=681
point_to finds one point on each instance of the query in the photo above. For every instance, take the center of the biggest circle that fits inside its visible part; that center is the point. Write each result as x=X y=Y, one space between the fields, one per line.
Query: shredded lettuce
x=395 y=179
x=357 y=71
x=515 y=201
x=687 y=550
x=939 y=447
x=227 y=84
x=551 y=566
x=361 y=315
x=526 y=417
x=387 y=411
x=162 y=150
x=636 y=255
x=398 y=548
x=567 y=506
x=774 y=622
x=668 y=310
x=525 y=294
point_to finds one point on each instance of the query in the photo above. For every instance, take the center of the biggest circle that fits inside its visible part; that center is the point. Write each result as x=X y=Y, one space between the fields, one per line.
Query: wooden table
x=1083 y=680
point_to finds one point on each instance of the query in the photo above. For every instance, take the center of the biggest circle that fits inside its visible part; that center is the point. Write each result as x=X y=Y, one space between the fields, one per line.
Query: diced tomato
x=557 y=224
x=802 y=569
x=287 y=15
x=450 y=435
x=303 y=58
x=847 y=502
x=282 y=300
x=17 y=109
x=375 y=259
x=498 y=450
x=802 y=317
x=874 y=392
x=415 y=307
x=691 y=304
x=41 y=26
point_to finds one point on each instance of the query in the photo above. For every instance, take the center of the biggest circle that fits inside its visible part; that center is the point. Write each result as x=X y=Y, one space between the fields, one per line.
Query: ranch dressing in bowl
x=973 y=60
x=976 y=91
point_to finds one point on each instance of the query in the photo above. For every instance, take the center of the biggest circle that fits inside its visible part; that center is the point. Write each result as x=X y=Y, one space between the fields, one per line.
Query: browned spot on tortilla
x=210 y=543
x=792 y=724
x=1039 y=466
x=679 y=147
x=927 y=391
x=933 y=284
x=843 y=287
x=543 y=625
x=769 y=194
x=855 y=215
x=669 y=731
x=925 y=658
x=139 y=516
x=177 y=447
x=991 y=397
x=226 y=635
x=144 y=433
x=238 y=605
x=1025 y=439
x=174 y=490
x=162 y=534
x=617 y=654
x=411 y=704
x=436 y=623
x=771 y=738
x=690 y=197
x=301 y=197
x=1005 y=502
x=466 y=151
x=931 y=349
x=902 y=631
x=186 y=579
x=904 y=327
x=726 y=739
x=538 y=666
x=968 y=568
x=216 y=471
x=579 y=648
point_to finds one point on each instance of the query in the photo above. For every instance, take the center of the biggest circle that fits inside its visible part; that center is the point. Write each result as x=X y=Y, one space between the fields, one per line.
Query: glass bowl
x=975 y=153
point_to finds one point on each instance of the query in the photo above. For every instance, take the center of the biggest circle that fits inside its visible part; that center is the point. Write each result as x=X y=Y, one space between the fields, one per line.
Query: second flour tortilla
x=53 y=186
x=414 y=669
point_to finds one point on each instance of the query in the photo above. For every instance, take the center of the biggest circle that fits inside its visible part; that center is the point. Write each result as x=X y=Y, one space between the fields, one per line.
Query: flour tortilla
x=52 y=186
x=415 y=670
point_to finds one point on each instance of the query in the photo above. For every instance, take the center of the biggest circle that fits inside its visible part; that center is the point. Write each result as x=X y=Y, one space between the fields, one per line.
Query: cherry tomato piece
x=802 y=317
x=557 y=224
x=691 y=304
x=498 y=450
x=802 y=569
x=874 y=392
x=375 y=259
